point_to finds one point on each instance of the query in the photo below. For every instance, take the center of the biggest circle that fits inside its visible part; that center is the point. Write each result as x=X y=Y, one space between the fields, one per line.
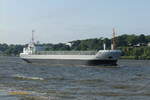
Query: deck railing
x=66 y=52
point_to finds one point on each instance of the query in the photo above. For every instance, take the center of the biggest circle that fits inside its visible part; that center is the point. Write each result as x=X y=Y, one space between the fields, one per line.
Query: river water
x=130 y=80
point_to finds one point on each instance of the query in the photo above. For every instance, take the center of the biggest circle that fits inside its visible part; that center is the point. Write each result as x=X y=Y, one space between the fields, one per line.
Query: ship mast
x=114 y=40
x=33 y=36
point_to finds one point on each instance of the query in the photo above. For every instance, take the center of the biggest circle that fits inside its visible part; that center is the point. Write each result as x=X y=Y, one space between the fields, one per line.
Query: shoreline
x=135 y=58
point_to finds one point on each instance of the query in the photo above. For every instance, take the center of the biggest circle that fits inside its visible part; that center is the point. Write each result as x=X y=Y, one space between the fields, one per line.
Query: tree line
x=133 y=46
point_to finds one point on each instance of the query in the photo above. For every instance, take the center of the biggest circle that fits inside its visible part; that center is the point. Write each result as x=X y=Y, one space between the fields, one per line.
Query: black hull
x=71 y=62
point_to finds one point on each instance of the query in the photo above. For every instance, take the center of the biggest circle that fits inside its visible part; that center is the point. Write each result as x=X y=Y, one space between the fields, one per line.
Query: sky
x=56 y=21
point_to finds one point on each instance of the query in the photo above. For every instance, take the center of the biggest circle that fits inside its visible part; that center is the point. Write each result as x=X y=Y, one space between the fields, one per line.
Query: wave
x=27 y=77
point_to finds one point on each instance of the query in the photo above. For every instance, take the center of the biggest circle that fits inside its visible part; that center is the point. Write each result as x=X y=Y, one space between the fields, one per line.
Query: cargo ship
x=32 y=54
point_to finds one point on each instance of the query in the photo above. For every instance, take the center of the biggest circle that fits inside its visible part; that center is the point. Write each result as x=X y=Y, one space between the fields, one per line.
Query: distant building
x=140 y=44
x=130 y=44
x=69 y=44
x=148 y=44
x=137 y=45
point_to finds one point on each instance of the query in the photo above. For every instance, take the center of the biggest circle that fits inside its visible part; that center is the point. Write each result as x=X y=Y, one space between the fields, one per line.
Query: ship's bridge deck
x=65 y=52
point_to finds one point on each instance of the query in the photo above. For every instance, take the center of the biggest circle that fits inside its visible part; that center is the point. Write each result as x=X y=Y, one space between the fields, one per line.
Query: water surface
x=130 y=80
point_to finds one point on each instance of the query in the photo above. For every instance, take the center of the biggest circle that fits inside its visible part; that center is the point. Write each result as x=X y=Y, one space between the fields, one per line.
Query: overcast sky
x=57 y=21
